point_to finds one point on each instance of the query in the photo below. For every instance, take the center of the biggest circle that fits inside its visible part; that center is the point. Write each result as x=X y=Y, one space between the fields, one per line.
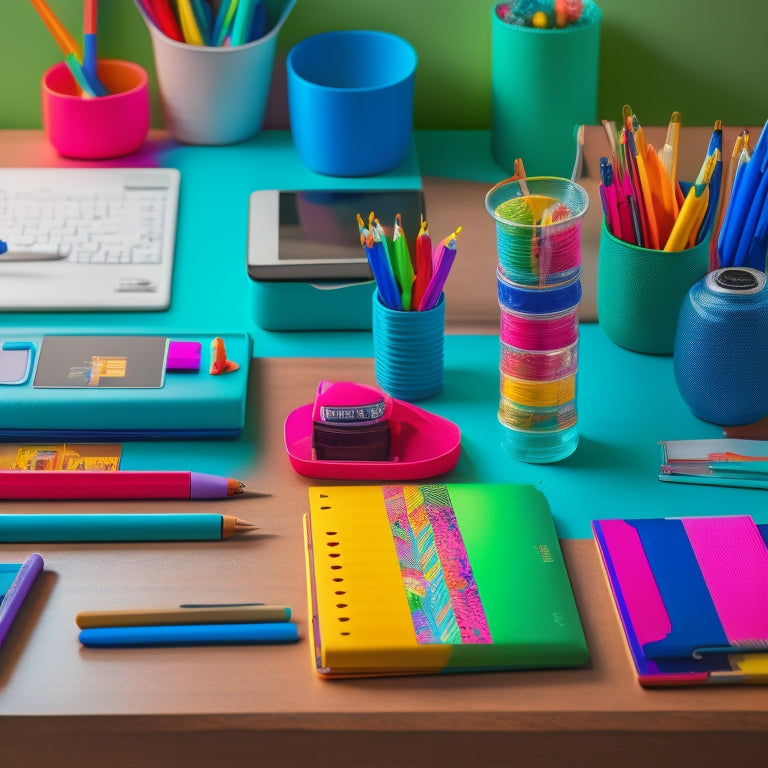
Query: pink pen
x=96 y=484
x=609 y=198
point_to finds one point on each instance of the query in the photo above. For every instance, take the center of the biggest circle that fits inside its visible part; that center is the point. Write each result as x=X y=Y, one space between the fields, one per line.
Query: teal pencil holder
x=640 y=292
x=543 y=85
x=408 y=348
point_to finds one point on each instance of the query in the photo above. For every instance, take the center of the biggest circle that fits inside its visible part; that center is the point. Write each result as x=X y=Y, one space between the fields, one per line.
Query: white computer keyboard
x=87 y=238
x=106 y=224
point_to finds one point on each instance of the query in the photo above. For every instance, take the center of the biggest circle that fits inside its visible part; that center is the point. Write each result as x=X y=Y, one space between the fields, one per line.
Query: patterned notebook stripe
x=441 y=589
x=739 y=592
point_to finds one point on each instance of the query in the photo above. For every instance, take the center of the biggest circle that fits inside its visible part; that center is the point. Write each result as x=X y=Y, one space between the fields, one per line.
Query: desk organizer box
x=298 y=306
x=123 y=387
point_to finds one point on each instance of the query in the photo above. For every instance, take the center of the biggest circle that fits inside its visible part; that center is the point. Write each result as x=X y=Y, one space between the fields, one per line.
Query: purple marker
x=19 y=580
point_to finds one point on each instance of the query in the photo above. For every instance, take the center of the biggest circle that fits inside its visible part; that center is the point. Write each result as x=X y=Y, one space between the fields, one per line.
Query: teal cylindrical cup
x=544 y=83
x=640 y=292
x=408 y=349
x=350 y=101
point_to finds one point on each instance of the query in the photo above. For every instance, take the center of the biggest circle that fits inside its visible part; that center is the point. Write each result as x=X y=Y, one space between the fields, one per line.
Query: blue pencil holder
x=350 y=101
x=408 y=350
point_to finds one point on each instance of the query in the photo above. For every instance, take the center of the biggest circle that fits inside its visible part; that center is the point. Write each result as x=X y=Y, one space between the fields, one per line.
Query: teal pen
x=189 y=634
x=118 y=527
x=740 y=467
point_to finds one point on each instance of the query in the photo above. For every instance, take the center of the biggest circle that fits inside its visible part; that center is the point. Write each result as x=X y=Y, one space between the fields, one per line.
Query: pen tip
x=234 y=486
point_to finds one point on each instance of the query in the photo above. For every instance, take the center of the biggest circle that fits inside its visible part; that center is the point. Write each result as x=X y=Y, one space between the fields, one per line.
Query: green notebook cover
x=416 y=579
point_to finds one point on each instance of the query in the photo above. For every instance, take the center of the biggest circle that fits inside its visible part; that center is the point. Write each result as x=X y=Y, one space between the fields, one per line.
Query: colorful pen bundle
x=545 y=14
x=205 y=624
x=743 y=237
x=403 y=285
x=644 y=203
x=82 y=63
x=208 y=22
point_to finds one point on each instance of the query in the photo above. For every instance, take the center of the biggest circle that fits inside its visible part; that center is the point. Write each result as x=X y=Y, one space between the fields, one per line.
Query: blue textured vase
x=721 y=347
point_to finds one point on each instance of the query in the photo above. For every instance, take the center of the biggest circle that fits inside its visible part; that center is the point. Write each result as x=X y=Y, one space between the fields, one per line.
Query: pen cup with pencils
x=544 y=78
x=640 y=291
x=408 y=318
x=214 y=74
x=408 y=350
x=96 y=128
x=656 y=235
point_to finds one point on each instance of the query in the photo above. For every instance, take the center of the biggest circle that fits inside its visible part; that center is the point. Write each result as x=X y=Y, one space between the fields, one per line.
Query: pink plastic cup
x=101 y=127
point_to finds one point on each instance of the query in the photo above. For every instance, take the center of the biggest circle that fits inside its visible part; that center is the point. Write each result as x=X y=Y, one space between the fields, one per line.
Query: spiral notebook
x=690 y=594
x=426 y=579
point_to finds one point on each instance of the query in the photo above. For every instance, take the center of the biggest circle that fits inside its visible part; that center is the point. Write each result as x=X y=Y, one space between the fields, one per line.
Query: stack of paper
x=720 y=461
x=691 y=596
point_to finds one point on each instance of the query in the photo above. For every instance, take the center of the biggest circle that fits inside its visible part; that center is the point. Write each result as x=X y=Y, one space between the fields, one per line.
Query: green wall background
x=705 y=58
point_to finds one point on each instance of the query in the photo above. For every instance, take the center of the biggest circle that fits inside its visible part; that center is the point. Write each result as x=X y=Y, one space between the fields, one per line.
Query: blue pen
x=730 y=229
x=90 y=30
x=246 y=16
x=189 y=634
x=748 y=253
x=745 y=187
x=761 y=231
x=84 y=82
x=15 y=583
x=223 y=23
x=715 y=144
x=380 y=266
x=385 y=277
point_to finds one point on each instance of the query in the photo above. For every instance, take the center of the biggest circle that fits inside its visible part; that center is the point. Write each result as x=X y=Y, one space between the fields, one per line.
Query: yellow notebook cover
x=419 y=579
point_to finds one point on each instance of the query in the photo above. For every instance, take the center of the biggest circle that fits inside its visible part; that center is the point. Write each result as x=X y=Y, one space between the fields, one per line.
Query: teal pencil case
x=123 y=387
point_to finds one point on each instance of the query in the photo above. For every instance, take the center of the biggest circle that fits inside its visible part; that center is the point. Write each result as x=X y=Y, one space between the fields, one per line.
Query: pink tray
x=425 y=445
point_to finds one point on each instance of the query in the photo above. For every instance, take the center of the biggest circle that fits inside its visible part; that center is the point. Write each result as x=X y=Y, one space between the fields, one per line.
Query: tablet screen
x=302 y=235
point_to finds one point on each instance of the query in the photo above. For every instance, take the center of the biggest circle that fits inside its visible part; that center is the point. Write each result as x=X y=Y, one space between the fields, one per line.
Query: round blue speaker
x=721 y=347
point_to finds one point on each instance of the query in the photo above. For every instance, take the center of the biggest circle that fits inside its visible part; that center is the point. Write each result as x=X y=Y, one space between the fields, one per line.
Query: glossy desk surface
x=65 y=705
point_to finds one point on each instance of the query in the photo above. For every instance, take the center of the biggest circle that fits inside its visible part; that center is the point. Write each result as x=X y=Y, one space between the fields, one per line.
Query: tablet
x=313 y=234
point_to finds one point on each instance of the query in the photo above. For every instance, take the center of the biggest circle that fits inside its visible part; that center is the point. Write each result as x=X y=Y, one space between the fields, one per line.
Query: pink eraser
x=184 y=356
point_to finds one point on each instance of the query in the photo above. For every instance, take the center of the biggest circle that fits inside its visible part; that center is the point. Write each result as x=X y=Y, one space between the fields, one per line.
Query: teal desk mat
x=626 y=403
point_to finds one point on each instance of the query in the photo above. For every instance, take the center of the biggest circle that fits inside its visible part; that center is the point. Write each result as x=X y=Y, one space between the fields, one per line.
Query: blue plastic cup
x=408 y=350
x=350 y=101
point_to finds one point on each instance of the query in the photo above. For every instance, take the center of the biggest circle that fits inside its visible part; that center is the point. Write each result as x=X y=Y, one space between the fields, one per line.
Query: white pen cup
x=214 y=95
x=408 y=348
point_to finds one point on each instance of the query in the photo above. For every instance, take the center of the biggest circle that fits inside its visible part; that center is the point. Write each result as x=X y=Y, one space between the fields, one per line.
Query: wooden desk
x=63 y=705
x=68 y=706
